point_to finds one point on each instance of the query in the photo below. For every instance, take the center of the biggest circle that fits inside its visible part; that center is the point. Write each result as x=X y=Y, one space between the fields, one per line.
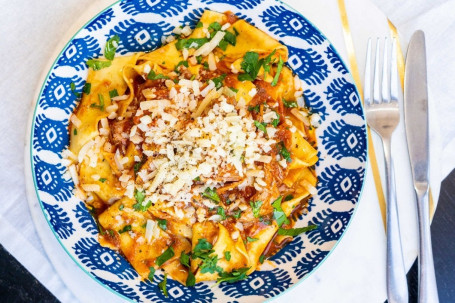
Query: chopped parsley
x=211 y=194
x=137 y=167
x=289 y=104
x=220 y=211
x=233 y=276
x=191 y=279
x=219 y=80
x=199 y=24
x=236 y=32
x=101 y=103
x=250 y=65
x=113 y=93
x=295 y=231
x=98 y=64
x=163 y=285
x=223 y=44
x=125 y=229
x=121 y=207
x=278 y=72
x=206 y=65
x=261 y=259
x=260 y=126
x=256 y=206
x=235 y=90
x=165 y=256
x=75 y=131
x=197 y=179
x=255 y=108
x=230 y=38
x=102 y=180
x=111 y=47
x=73 y=89
x=282 y=150
x=185 y=259
x=236 y=214
x=151 y=273
x=184 y=63
x=154 y=76
x=288 y=197
x=278 y=213
x=249 y=239
x=209 y=265
x=140 y=197
x=190 y=43
x=227 y=255
x=276 y=121
x=216 y=26
x=162 y=223
x=87 y=88
x=267 y=64
x=199 y=59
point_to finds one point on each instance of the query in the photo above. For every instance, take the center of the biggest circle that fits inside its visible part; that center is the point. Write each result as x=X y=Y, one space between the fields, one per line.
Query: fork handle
x=397 y=287
x=428 y=292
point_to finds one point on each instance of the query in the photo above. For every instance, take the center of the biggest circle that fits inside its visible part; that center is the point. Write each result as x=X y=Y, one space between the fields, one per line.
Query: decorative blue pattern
x=103 y=19
x=50 y=135
x=328 y=91
x=264 y=283
x=242 y=4
x=59 y=220
x=309 y=262
x=166 y=8
x=94 y=256
x=335 y=60
x=201 y=293
x=138 y=36
x=344 y=140
x=343 y=97
x=79 y=51
x=330 y=224
x=57 y=93
x=337 y=184
x=85 y=219
x=284 y=22
x=49 y=179
x=289 y=252
x=308 y=64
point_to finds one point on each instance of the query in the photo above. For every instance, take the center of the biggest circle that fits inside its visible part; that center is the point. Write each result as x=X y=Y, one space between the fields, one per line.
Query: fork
x=383 y=115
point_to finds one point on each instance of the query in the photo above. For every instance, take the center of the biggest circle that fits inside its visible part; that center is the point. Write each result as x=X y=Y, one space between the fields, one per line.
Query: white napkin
x=30 y=32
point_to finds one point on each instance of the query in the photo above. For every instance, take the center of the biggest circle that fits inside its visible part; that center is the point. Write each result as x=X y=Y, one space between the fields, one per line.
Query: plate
x=329 y=91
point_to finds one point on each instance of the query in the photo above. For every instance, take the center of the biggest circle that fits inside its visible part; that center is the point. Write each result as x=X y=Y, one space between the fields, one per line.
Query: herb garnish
x=154 y=76
x=97 y=64
x=111 y=47
x=165 y=256
x=227 y=255
x=163 y=285
x=256 y=206
x=113 y=93
x=278 y=72
x=151 y=273
x=233 y=276
x=289 y=104
x=73 y=89
x=278 y=213
x=249 y=239
x=87 y=88
x=260 y=126
x=190 y=43
x=282 y=150
x=220 y=211
x=185 y=259
x=219 y=81
x=162 y=223
x=211 y=194
x=295 y=231
x=125 y=229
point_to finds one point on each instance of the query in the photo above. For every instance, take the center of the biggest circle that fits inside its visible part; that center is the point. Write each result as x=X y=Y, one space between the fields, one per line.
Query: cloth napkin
x=31 y=32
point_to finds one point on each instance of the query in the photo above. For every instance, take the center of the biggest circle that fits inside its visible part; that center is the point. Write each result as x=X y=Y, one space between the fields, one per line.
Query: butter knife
x=416 y=122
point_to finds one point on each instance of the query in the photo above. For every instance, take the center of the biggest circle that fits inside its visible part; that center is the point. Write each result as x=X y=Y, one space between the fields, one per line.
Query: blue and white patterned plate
x=329 y=91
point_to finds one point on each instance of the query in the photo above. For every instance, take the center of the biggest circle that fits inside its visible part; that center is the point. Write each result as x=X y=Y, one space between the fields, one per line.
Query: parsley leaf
x=191 y=279
x=267 y=62
x=125 y=229
x=249 y=239
x=151 y=273
x=199 y=59
x=278 y=72
x=209 y=265
x=87 y=88
x=154 y=76
x=137 y=167
x=97 y=64
x=236 y=32
x=261 y=259
x=75 y=132
x=295 y=231
x=199 y=24
x=216 y=26
x=230 y=38
x=190 y=43
x=235 y=90
x=111 y=47
x=219 y=81
x=223 y=44
x=288 y=197
x=289 y=104
x=113 y=93
x=256 y=206
x=202 y=244
x=260 y=126
x=162 y=223
x=255 y=108
x=250 y=65
x=163 y=285
x=139 y=195
x=121 y=207
x=73 y=89
x=237 y=214
x=211 y=194
x=185 y=259
x=278 y=213
x=227 y=255
x=233 y=276
x=276 y=121
x=165 y=256
x=220 y=211
x=184 y=63
x=282 y=150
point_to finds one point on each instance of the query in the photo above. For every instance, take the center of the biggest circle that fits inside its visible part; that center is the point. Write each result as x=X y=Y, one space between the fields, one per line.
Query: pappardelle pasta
x=194 y=157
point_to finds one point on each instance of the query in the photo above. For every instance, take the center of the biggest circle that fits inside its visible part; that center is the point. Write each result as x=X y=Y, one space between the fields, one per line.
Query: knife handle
x=397 y=285
x=428 y=292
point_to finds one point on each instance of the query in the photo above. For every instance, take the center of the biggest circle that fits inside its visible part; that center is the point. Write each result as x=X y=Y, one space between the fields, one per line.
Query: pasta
x=193 y=157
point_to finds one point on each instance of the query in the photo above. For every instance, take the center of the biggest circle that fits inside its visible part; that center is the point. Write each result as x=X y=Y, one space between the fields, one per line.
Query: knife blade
x=417 y=134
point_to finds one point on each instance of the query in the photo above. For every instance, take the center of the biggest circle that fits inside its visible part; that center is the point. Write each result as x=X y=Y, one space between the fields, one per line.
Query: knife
x=416 y=122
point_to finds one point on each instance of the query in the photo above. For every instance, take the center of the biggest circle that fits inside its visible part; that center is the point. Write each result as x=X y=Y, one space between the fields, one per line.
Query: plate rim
x=31 y=173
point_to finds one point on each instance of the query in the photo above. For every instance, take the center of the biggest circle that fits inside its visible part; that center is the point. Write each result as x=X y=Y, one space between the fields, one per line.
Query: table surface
x=18 y=285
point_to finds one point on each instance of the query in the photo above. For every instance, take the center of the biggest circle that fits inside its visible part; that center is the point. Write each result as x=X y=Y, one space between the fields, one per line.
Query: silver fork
x=383 y=115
